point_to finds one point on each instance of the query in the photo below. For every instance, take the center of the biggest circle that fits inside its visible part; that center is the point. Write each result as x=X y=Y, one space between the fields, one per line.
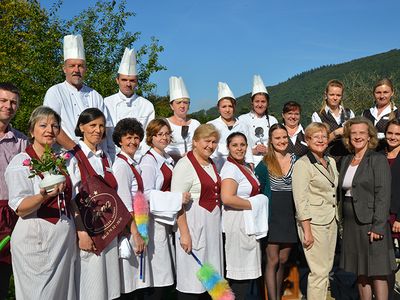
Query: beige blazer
x=314 y=190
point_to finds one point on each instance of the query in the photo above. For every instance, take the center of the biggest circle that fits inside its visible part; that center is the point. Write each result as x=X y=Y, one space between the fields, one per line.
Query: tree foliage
x=31 y=48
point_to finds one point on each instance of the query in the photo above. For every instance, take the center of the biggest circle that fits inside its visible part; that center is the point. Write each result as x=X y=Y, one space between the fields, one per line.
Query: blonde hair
x=333 y=83
x=372 y=133
x=270 y=160
x=205 y=131
x=388 y=82
x=315 y=127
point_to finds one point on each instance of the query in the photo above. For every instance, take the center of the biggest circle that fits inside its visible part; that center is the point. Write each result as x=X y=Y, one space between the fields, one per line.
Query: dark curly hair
x=127 y=126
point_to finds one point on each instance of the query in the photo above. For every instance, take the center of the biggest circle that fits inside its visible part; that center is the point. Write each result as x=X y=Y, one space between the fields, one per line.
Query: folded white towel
x=256 y=219
x=125 y=248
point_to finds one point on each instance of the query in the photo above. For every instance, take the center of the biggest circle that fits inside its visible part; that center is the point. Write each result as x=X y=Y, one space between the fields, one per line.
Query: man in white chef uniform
x=257 y=120
x=72 y=96
x=125 y=103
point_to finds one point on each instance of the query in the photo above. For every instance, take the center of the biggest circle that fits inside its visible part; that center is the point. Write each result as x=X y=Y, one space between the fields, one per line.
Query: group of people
x=226 y=192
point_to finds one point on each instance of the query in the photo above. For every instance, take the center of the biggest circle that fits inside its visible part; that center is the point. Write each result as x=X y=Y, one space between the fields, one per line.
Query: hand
x=338 y=132
x=374 y=236
x=85 y=242
x=260 y=149
x=308 y=241
x=396 y=226
x=139 y=243
x=59 y=188
x=186 y=242
x=186 y=197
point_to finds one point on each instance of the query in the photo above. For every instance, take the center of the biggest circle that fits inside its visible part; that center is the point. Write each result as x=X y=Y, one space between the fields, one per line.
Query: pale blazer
x=314 y=190
x=371 y=189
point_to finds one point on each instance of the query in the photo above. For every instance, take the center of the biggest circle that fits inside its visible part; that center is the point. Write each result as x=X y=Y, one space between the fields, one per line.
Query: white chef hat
x=258 y=86
x=224 y=91
x=128 y=63
x=177 y=89
x=73 y=47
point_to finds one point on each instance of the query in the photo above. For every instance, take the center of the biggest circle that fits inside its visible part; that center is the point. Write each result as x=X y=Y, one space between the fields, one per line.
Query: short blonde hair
x=205 y=131
x=372 y=133
x=315 y=127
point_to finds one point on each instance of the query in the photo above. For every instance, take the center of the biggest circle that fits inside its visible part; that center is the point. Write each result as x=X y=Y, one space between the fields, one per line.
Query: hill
x=307 y=88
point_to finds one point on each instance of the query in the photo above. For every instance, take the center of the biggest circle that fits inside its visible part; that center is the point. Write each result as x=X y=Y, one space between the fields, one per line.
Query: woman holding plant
x=43 y=243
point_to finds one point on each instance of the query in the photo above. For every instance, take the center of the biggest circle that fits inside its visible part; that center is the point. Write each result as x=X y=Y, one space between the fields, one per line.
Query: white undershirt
x=348 y=180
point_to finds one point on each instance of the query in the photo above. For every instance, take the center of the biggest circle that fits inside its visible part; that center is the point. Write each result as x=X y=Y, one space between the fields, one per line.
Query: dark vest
x=297 y=148
x=167 y=174
x=381 y=125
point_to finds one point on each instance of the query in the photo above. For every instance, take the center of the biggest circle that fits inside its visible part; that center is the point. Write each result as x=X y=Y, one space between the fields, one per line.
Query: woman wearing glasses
x=314 y=183
x=181 y=125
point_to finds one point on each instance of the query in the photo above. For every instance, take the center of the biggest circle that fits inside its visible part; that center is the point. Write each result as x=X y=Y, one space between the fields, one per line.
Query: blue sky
x=230 y=40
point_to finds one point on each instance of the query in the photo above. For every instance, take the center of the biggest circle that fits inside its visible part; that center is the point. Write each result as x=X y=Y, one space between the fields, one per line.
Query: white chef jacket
x=120 y=107
x=221 y=153
x=177 y=145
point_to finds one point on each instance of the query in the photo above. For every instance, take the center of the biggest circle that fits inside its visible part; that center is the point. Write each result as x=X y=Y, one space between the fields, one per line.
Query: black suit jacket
x=370 y=189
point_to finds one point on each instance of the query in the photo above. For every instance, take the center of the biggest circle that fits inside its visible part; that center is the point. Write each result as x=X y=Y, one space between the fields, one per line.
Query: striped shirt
x=283 y=183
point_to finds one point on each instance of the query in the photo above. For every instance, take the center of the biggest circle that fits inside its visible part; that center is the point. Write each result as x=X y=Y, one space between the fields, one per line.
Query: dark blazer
x=370 y=189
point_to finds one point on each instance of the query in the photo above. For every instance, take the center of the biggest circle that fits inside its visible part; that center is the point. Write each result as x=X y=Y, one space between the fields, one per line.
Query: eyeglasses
x=319 y=137
x=165 y=134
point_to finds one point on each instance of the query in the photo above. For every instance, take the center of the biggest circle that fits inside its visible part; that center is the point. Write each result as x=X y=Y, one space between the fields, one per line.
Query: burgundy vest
x=210 y=190
x=54 y=207
x=167 y=174
x=255 y=186
x=139 y=179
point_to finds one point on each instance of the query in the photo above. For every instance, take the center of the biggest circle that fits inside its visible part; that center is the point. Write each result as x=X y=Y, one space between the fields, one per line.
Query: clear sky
x=230 y=40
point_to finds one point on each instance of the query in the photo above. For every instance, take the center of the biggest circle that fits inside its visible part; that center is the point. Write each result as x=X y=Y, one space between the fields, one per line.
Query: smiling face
x=318 y=142
x=93 y=132
x=129 y=143
x=75 y=70
x=45 y=131
x=383 y=94
x=393 y=136
x=259 y=104
x=161 y=139
x=8 y=106
x=279 y=140
x=334 y=96
x=291 y=118
x=226 y=109
x=237 y=148
x=127 y=84
x=204 y=147
x=359 y=137
x=180 y=107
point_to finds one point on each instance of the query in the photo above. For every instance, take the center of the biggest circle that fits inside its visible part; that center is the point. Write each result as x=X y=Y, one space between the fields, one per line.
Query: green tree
x=31 y=48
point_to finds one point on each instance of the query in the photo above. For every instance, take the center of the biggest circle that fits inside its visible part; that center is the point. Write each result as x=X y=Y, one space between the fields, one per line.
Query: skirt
x=282 y=222
x=358 y=255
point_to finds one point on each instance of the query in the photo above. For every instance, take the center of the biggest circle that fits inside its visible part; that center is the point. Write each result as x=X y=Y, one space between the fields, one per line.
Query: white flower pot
x=50 y=181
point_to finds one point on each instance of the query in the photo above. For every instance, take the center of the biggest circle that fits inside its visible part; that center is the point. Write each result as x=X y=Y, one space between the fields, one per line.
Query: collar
x=127 y=99
x=314 y=160
x=222 y=122
x=9 y=134
x=253 y=115
x=131 y=161
x=89 y=152
x=387 y=110
x=160 y=159
x=327 y=109
x=299 y=129
x=73 y=89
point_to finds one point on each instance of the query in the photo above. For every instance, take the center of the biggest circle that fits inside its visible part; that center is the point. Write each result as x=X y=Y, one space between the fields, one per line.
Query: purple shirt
x=12 y=143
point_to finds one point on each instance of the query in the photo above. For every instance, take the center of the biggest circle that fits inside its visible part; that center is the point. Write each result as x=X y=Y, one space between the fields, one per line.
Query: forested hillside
x=307 y=88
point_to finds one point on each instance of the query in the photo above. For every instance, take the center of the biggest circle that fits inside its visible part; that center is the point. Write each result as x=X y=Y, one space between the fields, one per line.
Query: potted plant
x=50 y=167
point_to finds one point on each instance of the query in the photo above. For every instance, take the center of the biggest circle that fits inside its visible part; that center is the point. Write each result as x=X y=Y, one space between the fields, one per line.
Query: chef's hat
x=73 y=47
x=177 y=89
x=224 y=91
x=128 y=63
x=258 y=86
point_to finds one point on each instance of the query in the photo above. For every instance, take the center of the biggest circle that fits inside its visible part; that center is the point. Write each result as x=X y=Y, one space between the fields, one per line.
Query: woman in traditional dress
x=364 y=185
x=127 y=135
x=384 y=109
x=157 y=167
x=181 y=125
x=334 y=114
x=238 y=190
x=275 y=175
x=291 y=113
x=97 y=276
x=43 y=243
x=199 y=221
